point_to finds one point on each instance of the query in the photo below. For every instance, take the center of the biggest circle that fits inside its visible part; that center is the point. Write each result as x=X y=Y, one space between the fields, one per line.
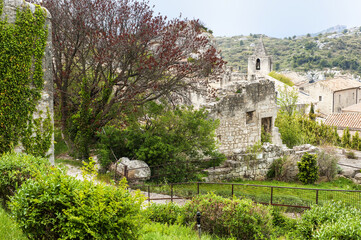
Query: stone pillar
x=47 y=96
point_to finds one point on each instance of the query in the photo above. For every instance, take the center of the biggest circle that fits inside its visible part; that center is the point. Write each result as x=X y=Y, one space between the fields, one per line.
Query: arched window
x=258 y=64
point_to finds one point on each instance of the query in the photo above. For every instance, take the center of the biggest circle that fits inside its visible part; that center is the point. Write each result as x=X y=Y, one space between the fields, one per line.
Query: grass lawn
x=8 y=228
x=299 y=195
x=159 y=231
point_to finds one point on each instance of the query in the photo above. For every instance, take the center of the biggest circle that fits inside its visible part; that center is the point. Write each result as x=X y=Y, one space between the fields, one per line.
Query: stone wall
x=46 y=102
x=242 y=111
x=242 y=165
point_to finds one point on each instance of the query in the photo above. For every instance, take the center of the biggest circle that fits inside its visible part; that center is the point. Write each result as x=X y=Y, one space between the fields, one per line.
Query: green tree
x=308 y=169
x=346 y=138
x=162 y=134
x=355 y=141
x=287 y=99
x=312 y=114
x=122 y=55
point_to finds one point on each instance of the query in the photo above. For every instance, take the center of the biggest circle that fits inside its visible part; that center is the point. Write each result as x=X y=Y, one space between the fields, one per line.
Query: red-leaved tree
x=110 y=55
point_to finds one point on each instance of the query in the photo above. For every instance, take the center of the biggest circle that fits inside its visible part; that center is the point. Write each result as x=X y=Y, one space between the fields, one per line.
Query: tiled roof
x=343 y=120
x=337 y=84
x=353 y=108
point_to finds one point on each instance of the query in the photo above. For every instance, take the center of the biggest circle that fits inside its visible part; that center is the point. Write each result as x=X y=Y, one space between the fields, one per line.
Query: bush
x=16 y=168
x=164 y=213
x=334 y=220
x=59 y=206
x=327 y=164
x=282 y=169
x=308 y=169
x=237 y=218
x=351 y=155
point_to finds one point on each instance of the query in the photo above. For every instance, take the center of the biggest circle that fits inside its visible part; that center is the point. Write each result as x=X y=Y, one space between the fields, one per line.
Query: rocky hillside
x=339 y=50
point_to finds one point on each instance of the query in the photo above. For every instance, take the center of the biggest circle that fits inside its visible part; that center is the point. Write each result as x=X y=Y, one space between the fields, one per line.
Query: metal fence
x=271 y=195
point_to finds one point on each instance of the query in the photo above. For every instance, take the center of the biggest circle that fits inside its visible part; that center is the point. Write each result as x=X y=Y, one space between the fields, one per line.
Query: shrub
x=282 y=169
x=332 y=219
x=59 y=206
x=327 y=164
x=281 y=78
x=164 y=213
x=308 y=169
x=16 y=168
x=241 y=219
x=346 y=138
x=351 y=155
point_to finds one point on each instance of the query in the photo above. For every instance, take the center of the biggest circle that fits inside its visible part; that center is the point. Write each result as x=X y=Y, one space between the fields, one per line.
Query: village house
x=335 y=94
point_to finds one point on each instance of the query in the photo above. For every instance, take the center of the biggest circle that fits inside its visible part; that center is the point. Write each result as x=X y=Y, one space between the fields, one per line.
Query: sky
x=275 y=18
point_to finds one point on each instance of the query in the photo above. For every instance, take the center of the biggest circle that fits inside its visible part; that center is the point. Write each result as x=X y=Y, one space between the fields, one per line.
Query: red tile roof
x=344 y=120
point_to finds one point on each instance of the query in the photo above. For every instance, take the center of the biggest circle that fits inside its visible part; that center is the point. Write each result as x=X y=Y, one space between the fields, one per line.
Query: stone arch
x=258 y=64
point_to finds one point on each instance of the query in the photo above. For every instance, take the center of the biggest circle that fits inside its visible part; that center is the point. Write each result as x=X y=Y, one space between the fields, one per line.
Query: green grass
x=8 y=228
x=72 y=162
x=159 y=231
x=299 y=197
x=59 y=145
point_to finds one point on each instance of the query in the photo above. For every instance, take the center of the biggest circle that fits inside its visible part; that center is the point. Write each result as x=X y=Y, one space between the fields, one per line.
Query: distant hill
x=334 y=29
x=340 y=50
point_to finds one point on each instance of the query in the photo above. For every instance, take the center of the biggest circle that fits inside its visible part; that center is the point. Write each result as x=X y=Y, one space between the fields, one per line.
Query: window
x=250 y=117
x=258 y=64
x=320 y=98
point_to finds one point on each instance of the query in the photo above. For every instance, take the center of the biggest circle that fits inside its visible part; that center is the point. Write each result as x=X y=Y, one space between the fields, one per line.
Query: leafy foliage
x=15 y=169
x=327 y=164
x=120 y=54
x=346 y=138
x=58 y=206
x=169 y=213
x=308 y=169
x=333 y=220
x=237 y=218
x=282 y=78
x=176 y=138
x=22 y=46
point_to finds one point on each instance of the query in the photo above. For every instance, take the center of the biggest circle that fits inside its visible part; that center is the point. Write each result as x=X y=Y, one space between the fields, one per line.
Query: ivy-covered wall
x=26 y=84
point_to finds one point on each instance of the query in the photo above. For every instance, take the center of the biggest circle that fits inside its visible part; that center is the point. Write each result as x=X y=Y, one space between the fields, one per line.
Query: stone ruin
x=46 y=102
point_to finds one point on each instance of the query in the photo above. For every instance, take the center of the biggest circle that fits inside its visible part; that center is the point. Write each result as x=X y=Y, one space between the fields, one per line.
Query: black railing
x=271 y=195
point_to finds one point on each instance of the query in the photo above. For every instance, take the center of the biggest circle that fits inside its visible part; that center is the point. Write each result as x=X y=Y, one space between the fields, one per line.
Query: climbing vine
x=22 y=47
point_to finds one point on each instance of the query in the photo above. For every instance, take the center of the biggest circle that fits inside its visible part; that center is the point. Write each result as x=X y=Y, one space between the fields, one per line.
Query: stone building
x=46 y=102
x=244 y=105
x=259 y=64
x=335 y=94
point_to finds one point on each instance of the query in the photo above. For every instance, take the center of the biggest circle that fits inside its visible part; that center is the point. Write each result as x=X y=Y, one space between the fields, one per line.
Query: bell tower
x=259 y=64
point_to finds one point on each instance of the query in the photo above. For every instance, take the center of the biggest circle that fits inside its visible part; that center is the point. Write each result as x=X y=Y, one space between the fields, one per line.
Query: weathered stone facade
x=259 y=64
x=243 y=165
x=46 y=102
x=243 y=111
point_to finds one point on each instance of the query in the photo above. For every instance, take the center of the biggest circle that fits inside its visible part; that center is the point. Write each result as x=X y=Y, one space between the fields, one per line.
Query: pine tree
x=346 y=138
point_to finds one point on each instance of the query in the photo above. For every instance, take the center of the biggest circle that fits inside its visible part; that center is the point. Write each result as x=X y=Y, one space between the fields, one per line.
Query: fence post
x=126 y=171
x=149 y=194
x=271 y=195
x=198 y=188
x=232 y=189
x=316 y=196
x=171 y=192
